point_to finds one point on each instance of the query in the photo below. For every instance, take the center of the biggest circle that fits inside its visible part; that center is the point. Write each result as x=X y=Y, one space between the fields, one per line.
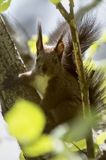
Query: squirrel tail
x=96 y=80
x=88 y=31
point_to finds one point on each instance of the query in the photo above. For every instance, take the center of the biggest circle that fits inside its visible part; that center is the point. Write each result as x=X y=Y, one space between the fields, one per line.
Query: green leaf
x=101 y=138
x=67 y=155
x=60 y=157
x=76 y=129
x=4 y=4
x=55 y=1
x=79 y=129
x=76 y=145
x=43 y=145
x=26 y=121
x=22 y=156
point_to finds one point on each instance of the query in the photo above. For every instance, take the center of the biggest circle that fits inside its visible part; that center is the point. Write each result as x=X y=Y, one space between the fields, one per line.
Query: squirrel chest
x=40 y=83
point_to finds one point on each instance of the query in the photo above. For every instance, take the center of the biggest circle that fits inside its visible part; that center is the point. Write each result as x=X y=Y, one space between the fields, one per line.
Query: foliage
x=55 y=1
x=74 y=133
x=79 y=128
x=44 y=144
x=22 y=156
x=26 y=121
x=101 y=138
x=4 y=4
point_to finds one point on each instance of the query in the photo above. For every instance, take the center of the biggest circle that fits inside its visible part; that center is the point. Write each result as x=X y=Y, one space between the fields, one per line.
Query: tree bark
x=11 y=65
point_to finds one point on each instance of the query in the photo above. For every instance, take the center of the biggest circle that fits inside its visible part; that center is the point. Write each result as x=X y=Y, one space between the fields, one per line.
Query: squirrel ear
x=60 y=47
x=39 y=43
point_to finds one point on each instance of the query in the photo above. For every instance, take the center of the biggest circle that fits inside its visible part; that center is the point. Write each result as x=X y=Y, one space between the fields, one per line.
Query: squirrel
x=55 y=78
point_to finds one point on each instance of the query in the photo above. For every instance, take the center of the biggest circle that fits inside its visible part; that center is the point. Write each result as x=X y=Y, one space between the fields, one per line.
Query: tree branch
x=80 y=70
x=63 y=11
x=11 y=65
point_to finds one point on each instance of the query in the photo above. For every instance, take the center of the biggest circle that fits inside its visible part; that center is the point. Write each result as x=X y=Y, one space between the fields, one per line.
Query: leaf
x=4 y=4
x=55 y=1
x=67 y=155
x=101 y=138
x=76 y=145
x=22 y=156
x=26 y=121
x=45 y=144
x=60 y=157
x=76 y=129
x=79 y=128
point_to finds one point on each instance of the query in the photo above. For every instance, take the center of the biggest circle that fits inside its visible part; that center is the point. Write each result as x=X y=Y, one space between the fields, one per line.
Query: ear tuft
x=60 y=47
x=39 y=43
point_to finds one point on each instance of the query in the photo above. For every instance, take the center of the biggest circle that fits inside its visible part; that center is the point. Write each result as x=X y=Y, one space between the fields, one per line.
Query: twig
x=78 y=59
x=80 y=70
x=82 y=78
x=63 y=11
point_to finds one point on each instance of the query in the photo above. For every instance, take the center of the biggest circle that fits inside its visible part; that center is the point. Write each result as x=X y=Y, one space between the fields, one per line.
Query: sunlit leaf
x=67 y=156
x=101 y=138
x=59 y=157
x=22 y=156
x=26 y=121
x=4 y=4
x=97 y=148
x=76 y=145
x=43 y=145
x=55 y=1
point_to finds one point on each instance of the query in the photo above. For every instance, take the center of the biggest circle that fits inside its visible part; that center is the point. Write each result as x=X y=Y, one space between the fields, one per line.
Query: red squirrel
x=55 y=78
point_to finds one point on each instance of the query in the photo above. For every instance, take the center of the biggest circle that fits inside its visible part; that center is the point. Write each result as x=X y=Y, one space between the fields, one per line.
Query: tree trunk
x=11 y=65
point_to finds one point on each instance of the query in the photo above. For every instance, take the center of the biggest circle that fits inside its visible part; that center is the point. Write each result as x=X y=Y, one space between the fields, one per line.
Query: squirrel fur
x=55 y=69
x=89 y=31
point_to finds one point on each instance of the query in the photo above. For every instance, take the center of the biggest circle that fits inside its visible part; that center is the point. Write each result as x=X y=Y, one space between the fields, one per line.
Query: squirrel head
x=48 y=60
